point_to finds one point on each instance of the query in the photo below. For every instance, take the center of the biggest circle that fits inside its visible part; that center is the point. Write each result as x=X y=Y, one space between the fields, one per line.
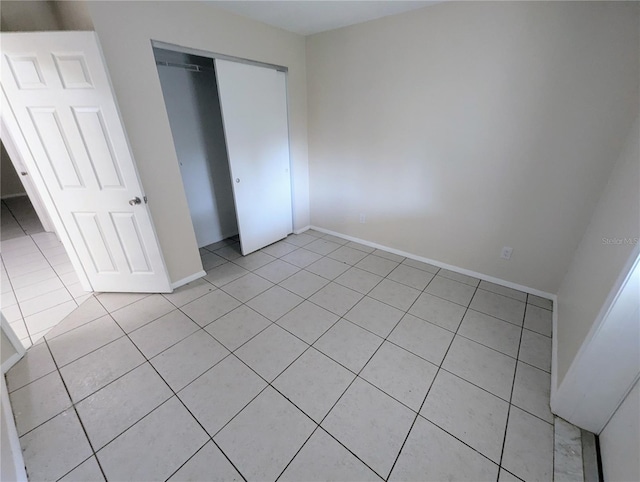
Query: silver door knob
x=24 y=173
x=237 y=179
x=134 y=201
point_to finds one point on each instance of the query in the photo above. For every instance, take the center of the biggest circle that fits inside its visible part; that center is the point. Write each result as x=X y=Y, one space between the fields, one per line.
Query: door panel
x=253 y=101
x=59 y=92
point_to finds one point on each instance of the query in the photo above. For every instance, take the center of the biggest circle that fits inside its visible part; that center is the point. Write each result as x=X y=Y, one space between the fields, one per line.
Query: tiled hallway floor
x=313 y=359
x=39 y=284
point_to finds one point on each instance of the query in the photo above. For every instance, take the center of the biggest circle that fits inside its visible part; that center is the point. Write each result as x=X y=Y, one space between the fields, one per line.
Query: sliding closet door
x=254 y=113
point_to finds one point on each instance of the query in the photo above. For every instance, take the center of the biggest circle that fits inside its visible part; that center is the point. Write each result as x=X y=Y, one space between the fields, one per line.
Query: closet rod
x=189 y=67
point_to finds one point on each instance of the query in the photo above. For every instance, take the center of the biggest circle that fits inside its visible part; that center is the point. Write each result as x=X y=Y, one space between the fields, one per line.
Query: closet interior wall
x=190 y=93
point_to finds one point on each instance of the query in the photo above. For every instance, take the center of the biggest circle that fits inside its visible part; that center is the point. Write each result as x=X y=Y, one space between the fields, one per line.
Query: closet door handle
x=134 y=201
x=237 y=180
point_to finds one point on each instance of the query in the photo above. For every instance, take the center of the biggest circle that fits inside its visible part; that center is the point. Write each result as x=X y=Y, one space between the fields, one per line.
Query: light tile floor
x=313 y=359
x=39 y=284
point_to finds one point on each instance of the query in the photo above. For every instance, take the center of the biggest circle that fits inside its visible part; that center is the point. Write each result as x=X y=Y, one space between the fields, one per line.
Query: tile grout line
x=155 y=408
x=430 y=387
x=513 y=384
x=73 y=405
x=309 y=345
x=22 y=317
x=350 y=384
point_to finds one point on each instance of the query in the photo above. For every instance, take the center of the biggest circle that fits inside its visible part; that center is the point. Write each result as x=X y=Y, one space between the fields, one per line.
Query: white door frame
x=30 y=189
x=607 y=364
x=9 y=130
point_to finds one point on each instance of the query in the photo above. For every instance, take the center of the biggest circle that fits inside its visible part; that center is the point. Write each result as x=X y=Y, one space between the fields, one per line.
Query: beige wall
x=125 y=30
x=10 y=183
x=38 y=15
x=597 y=263
x=465 y=127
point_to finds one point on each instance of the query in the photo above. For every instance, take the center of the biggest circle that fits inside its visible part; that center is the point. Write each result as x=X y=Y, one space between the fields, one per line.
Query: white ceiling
x=306 y=17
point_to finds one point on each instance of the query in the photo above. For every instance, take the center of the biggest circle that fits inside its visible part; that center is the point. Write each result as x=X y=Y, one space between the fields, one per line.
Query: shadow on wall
x=33 y=16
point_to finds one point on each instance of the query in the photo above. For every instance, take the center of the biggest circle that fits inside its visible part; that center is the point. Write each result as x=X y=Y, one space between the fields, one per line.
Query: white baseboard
x=9 y=362
x=16 y=468
x=301 y=230
x=554 y=350
x=188 y=279
x=439 y=264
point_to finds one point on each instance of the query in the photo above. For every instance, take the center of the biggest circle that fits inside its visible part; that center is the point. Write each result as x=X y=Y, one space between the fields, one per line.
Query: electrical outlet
x=506 y=252
x=363 y=218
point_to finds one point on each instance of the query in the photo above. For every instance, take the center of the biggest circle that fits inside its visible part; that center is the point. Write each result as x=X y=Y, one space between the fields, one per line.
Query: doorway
x=229 y=123
x=39 y=284
x=191 y=98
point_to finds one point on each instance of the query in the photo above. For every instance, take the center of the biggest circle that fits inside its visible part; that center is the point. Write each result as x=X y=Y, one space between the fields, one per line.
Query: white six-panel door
x=61 y=102
x=253 y=101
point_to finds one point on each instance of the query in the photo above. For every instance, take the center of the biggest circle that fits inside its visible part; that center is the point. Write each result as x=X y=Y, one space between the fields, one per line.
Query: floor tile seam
x=446 y=299
x=54 y=269
x=162 y=402
x=254 y=296
x=199 y=376
x=475 y=310
x=11 y=262
x=421 y=290
x=538 y=333
x=316 y=304
x=192 y=456
x=198 y=327
x=74 y=468
x=324 y=255
x=502 y=294
x=494 y=316
x=537 y=306
x=40 y=293
x=84 y=430
x=164 y=295
x=10 y=391
x=97 y=294
x=84 y=355
x=14 y=217
x=58 y=303
x=76 y=327
x=461 y=441
x=59 y=368
x=26 y=273
x=365 y=294
x=283 y=279
x=255 y=311
x=146 y=322
x=252 y=270
x=513 y=383
x=388 y=394
x=228 y=282
x=19 y=309
x=84 y=398
x=243 y=343
x=429 y=389
x=486 y=346
x=533 y=366
x=452 y=271
x=357 y=375
x=174 y=394
x=297 y=451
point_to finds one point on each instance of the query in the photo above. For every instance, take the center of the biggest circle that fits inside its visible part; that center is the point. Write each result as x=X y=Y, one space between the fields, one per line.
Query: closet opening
x=190 y=91
x=229 y=122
